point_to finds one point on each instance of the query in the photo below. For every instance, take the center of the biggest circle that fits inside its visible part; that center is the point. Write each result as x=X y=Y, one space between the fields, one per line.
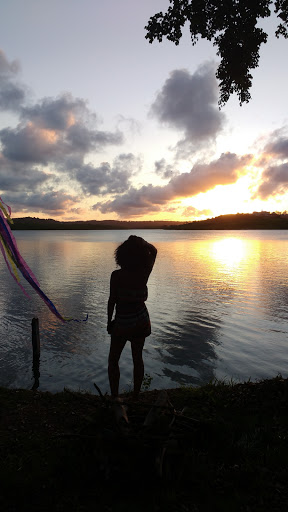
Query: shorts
x=132 y=325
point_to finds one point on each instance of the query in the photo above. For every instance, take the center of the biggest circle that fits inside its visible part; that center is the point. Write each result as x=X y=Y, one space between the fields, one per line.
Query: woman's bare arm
x=152 y=252
x=111 y=300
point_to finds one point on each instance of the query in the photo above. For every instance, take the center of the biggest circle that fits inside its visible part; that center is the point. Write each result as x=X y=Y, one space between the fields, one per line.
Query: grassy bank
x=227 y=451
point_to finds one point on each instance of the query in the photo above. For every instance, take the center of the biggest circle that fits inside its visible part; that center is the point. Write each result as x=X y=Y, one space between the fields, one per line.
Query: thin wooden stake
x=36 y=352
x=35 y=337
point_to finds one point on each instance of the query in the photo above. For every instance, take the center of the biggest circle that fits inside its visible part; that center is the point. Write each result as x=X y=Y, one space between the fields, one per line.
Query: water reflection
x=192 y=303
x=218 y=303
x=229 y=252
x=189 y=357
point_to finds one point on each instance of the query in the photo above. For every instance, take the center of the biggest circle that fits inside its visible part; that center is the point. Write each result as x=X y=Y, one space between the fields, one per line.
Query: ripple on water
x=214 y=312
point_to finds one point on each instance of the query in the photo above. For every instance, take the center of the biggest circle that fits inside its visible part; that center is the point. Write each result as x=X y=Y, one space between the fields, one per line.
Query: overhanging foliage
x=232 y=27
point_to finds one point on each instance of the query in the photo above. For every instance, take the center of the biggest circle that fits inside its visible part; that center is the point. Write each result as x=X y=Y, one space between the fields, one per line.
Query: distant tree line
x=28 y=223
x=256 y=220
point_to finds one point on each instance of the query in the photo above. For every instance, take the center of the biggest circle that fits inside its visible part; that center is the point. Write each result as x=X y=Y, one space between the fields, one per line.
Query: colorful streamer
x=15 y=262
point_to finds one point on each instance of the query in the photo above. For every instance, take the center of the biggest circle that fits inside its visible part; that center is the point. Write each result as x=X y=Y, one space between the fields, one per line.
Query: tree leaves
x=232 y=26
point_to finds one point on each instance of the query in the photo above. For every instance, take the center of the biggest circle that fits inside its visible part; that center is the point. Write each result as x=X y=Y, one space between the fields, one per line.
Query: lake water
x=218 y=302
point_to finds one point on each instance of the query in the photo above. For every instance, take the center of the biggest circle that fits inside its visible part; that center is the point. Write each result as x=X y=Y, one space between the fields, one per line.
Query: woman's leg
x=137 y=345
x=116 y=347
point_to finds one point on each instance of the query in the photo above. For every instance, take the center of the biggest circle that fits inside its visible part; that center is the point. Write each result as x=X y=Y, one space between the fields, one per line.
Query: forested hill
x=256 y=220
x=35 y=223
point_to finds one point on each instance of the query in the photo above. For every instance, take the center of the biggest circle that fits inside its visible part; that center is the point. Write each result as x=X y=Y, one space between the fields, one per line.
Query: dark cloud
x=28 y=179
x=278 y=144
x=8 y=68
x=58 y=113
x=164 y=170
x=54 y=131
x=274 y=181
x=189 y=103
x=145 y=200
x=82 y=140
x=27 y=144
x=59 y=134
x=273 y=161
x=203 y=177
x=15 y=176
x=48 y=201
x=73 y=124
x=105 y=179
x=12 y=93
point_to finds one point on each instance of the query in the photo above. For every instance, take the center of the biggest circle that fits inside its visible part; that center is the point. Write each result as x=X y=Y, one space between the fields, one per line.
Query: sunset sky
x=96 y=123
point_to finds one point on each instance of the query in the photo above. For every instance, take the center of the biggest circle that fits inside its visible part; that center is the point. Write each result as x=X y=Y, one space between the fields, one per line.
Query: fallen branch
x=103 y=397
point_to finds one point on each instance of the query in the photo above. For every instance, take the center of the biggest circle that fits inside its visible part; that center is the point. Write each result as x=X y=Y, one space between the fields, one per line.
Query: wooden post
x=35 y=337
x=36 y=351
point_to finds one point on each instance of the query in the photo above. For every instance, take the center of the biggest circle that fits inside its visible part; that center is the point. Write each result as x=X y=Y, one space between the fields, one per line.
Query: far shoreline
x=238 y=221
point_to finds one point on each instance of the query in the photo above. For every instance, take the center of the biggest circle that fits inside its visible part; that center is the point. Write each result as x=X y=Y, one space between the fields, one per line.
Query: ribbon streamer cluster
x=15 y=262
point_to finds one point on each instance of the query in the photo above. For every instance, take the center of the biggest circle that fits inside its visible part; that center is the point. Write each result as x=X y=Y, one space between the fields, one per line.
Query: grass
x=230 y=453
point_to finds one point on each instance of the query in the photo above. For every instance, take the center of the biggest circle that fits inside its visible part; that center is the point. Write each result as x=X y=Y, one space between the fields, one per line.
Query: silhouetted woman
x=128 y=292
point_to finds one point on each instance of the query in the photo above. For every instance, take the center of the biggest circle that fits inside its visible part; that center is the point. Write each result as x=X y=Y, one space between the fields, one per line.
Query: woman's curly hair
x=133 y=254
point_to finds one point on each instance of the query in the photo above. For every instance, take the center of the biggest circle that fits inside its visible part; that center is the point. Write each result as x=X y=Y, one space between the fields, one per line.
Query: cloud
x=194 y=213
x=202 y=177
x=105 y=179
x=165 y=170
x=28 y=144
x=274 y=181
x=129 y=124
x=58 y=202
x=58 y=114
x=278 y=144
x=136 y=202
x=52 y=146
x=55 y=130
x=57 y=133
x=83 y=140
x=15 y=176
x=189 y=103
x=12 y=93
x=72 y=124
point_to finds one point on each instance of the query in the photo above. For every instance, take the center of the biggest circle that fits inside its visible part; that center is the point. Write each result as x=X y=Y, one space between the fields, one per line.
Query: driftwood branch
x=121 y=418
x=103 y=398
x=154 y=440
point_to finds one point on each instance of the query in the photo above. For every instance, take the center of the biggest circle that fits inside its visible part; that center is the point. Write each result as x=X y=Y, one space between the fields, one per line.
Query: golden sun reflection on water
x=217 y=301
x=229 y=251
